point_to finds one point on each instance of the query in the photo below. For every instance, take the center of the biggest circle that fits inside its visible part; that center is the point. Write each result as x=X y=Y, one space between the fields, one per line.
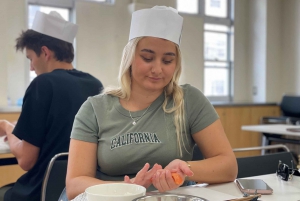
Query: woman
x=149 y=120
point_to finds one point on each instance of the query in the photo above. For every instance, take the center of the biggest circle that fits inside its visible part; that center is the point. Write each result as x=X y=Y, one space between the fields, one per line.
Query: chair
x=290 y=106
x=55 y=176
x=290 y=114
x=197 y=155
x=263 y=164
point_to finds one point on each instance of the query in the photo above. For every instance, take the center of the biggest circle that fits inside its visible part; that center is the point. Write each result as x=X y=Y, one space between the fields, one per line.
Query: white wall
x=3 y=69
x=103 y=32
x=274 y=82
x=192 y=51
x=291 y=47
x=257 y=49
x=12 y=68
x=241 y=88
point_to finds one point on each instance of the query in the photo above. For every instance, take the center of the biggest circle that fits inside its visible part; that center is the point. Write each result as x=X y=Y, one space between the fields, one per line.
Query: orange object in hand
x=178 y=180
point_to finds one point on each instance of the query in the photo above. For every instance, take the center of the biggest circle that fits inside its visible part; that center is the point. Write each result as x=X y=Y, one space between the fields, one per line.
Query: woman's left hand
x=143 y=177
x=163 y=179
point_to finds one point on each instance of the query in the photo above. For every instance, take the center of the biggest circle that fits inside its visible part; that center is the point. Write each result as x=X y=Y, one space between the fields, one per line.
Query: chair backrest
x=263 y=164
x=197 y=155
x=55 y=177
x=290 y=106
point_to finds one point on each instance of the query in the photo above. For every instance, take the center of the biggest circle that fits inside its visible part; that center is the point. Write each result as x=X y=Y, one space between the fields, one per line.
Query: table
x=6 y=155
x=278 y=129
x=282 y=190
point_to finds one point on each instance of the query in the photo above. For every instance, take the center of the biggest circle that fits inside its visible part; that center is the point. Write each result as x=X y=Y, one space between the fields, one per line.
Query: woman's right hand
x=143 y=177
x=163 y=179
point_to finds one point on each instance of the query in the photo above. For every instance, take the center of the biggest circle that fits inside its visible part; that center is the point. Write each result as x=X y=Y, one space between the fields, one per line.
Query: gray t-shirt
x=124 y=148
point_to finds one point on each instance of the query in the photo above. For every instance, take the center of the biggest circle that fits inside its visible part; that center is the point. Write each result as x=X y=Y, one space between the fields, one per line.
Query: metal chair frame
x=262 y=164
x=48 y=172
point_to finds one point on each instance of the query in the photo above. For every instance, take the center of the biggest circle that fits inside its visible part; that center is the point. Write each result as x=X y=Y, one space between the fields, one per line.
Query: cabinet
x=233 y=117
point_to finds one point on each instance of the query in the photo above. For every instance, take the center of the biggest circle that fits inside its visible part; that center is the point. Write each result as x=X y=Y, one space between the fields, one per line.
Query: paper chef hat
x=54 y=25
x=159 y=21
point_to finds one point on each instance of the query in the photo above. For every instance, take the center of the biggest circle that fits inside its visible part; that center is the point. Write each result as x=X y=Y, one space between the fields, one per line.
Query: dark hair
x=63 y=51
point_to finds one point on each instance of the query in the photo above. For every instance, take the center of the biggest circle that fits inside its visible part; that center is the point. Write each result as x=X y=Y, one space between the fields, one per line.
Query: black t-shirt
x=50 y=105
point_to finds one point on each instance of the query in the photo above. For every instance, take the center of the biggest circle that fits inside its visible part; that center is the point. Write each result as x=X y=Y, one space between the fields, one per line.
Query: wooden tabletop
x=6 y=155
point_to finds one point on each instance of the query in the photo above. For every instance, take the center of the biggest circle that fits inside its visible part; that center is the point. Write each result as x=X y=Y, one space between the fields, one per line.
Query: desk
x=278 y=129
x=282 y=190
x=10 y=171
x=6 y=155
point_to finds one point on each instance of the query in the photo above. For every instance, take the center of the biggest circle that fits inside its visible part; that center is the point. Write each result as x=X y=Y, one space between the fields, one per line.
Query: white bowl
x=114 y=192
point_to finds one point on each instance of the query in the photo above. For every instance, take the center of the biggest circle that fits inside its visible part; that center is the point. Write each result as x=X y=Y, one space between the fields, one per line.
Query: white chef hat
x=54 y=25
x=159 y=21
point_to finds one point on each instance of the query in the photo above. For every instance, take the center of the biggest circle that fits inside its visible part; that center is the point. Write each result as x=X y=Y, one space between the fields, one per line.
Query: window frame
x=200 y=10
x=229 y=22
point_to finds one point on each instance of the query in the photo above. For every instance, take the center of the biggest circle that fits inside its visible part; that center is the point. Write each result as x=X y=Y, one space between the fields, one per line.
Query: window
x=216 y=8
x=32 y=9
x=218 y=49
x=218 y=44
x=190 y=6
x=216 y=66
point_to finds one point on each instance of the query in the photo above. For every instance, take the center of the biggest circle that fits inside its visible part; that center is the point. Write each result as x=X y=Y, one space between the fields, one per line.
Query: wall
x=103 y=32
x=3 y=70
x=266 y=46
x=241 y=88
x=192 y=51
x=274 y=65
x=12 y=70
x=257 y=49
x=110 y=27
x=290 y=77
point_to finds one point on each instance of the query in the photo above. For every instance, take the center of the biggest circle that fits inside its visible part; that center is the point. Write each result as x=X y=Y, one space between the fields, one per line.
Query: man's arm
x=25 y=153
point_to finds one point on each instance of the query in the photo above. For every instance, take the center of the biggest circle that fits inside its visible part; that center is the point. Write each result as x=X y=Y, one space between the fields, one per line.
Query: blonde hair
x=171 y=91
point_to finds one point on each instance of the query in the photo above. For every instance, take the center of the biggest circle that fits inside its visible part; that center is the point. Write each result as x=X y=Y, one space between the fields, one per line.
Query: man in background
x=50 y=103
